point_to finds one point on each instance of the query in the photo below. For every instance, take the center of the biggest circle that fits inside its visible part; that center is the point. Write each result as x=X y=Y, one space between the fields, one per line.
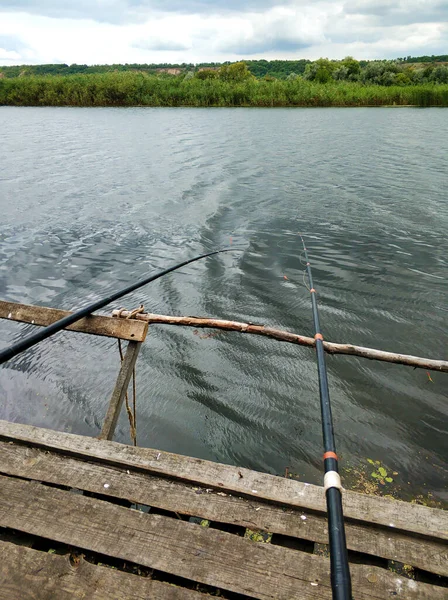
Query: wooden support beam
x=123 y=329
x=121 y=386
x=293 y=338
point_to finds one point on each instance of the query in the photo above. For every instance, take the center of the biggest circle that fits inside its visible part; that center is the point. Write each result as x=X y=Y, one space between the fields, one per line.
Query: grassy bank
x=131 y=89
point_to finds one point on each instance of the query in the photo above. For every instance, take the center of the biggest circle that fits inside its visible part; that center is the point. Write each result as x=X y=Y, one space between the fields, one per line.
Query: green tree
x=206 y=74
x=427 y=72
x=402 y=79
x=321 y=70
x=235 y=72
x=353 y=68
x=340 y=74
x=381 y=72
x=439 y=75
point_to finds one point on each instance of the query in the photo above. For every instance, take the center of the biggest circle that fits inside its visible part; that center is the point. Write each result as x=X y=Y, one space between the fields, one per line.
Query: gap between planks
x=32 y=463
x=33 y=575
x=393 y=514
x=187 y=550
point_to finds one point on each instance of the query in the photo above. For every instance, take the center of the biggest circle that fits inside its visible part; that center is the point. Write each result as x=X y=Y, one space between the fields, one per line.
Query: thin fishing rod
x=340 y=572
x=46 y=332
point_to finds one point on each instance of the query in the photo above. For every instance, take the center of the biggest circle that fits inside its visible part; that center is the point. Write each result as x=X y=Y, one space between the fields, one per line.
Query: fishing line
x=33 y=339
x=304 y=281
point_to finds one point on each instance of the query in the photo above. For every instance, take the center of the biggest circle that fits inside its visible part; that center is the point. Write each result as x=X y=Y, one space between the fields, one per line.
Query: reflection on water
x=93 y=198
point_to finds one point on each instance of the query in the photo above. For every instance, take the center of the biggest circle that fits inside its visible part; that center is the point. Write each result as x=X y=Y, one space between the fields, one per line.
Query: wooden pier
x=89 y=518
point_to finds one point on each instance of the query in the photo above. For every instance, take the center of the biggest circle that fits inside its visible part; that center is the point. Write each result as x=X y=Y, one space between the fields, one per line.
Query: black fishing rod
x=46 y=332
x=340 y=572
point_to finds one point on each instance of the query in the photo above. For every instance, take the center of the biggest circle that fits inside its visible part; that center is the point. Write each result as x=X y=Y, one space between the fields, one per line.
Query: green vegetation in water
x=380 y=473
x=383 y=481
x=324 y=83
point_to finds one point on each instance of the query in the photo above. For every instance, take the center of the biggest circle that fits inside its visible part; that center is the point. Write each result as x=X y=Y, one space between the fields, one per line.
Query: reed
x=140 y=89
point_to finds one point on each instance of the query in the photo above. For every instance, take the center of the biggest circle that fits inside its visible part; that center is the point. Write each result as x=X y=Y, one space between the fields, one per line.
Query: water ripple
x=92 y=199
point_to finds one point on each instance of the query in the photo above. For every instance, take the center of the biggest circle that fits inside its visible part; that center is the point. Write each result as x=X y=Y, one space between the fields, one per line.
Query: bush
x=206 y=74
x=321 y=70
x=439 y=75
x=236 y=72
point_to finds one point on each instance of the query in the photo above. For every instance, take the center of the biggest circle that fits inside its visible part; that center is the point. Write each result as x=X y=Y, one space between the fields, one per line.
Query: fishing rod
x=340 y=572
x=33 y=339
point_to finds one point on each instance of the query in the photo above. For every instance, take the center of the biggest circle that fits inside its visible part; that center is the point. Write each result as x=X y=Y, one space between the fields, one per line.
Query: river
x=92 y=198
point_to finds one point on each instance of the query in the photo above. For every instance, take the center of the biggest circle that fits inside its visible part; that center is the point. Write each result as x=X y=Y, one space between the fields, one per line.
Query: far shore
x=129 y=89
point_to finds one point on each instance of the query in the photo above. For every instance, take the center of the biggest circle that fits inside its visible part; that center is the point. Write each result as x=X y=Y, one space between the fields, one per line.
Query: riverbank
x=132 y=89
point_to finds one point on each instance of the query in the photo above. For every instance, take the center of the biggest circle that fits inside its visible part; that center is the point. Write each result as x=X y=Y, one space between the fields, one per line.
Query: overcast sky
x=146 y=31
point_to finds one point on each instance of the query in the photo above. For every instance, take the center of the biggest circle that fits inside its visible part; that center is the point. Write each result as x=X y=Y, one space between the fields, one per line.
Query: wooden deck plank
x=372 y=509
x=32 y=463
x=27 y=574
x=208 y=556
x=123 y=329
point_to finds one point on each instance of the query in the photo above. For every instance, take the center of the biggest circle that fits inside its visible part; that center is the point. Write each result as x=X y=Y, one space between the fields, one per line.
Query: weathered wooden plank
x=208 y=556
x=372 y=509
x=124 y=329
x=32 y=463
x=121 y=386
x=27 y=574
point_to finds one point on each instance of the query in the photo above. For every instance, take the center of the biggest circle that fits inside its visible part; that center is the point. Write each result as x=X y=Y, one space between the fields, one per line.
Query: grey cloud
x=282 y=33
x=204 y=6
x=370 y=7
x=12 y=43
x=160 y=45
x=119 y=11
x=81 y=9
x=259 y=46
x=22 y=51
x=399 y=12
x=344 y=36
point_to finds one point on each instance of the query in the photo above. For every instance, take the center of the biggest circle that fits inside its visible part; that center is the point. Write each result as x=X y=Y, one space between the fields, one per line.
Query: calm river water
x=92 y=199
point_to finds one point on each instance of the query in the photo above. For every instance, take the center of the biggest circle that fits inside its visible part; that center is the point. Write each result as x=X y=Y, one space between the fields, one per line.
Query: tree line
x=384 y=72
x=411 y=69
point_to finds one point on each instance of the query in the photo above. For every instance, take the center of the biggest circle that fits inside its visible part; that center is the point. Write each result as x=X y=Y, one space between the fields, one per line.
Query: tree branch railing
x=292 y=338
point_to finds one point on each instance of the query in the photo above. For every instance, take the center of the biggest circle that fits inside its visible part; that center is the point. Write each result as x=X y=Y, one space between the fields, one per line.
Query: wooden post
x=116 y=401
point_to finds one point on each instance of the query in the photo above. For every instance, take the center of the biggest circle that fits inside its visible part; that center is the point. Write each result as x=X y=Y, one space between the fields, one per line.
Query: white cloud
x=160 y=44
x=278 y=30
x=120 y=31
x=8 y=56
x=414 y=40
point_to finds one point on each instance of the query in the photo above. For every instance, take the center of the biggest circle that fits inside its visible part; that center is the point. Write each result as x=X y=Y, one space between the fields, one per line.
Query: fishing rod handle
x=340 y=573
